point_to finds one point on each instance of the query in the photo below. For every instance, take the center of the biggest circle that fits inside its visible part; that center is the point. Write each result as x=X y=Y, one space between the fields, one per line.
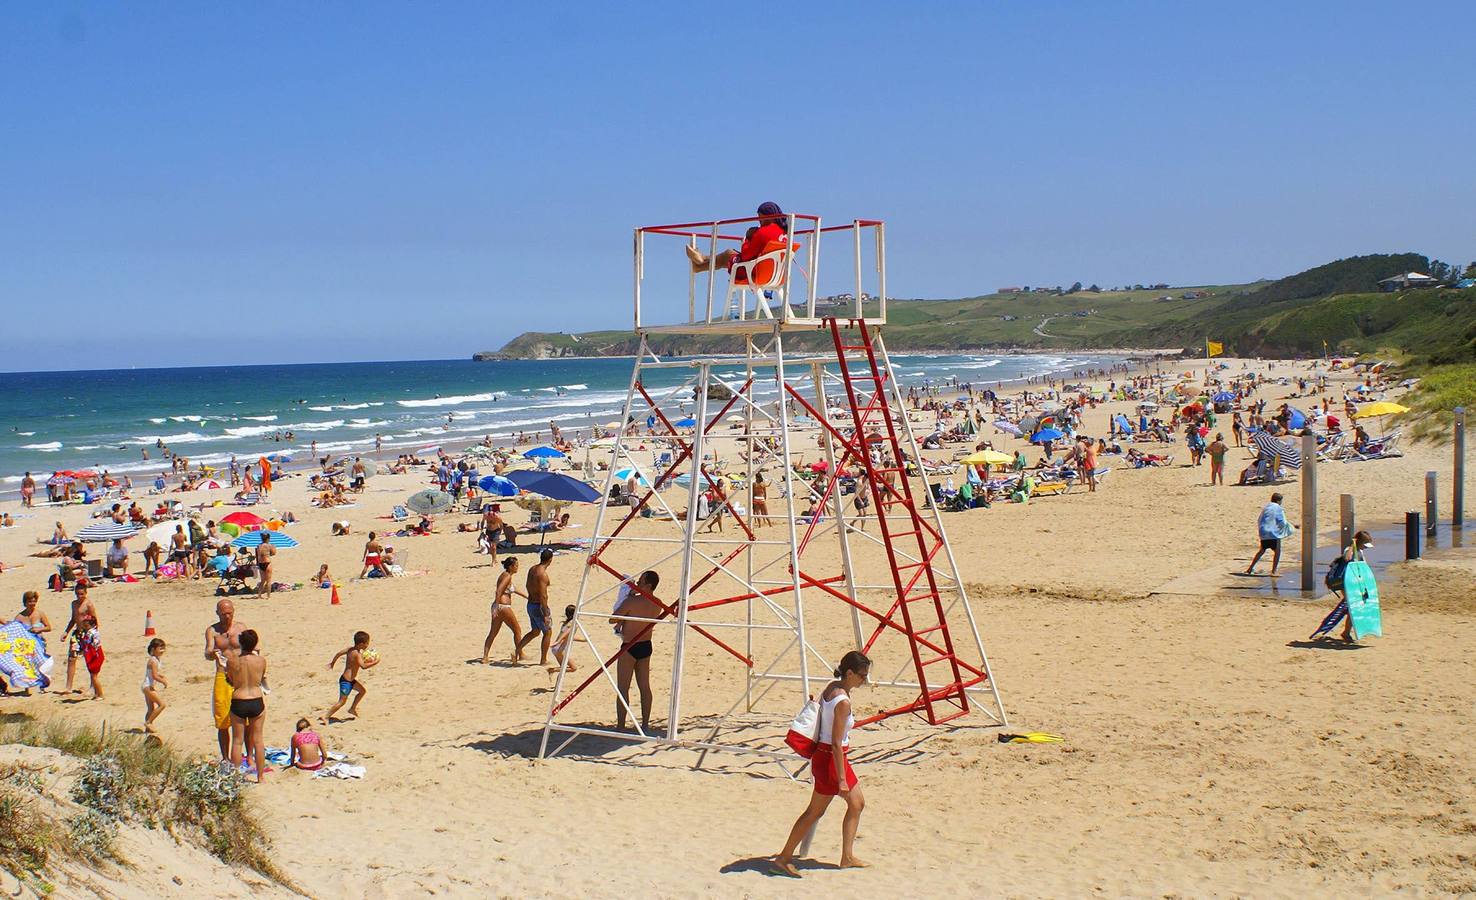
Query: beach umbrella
x=278 y=458
x=1363 y=389
x=256 y=538
x=968 y=425
x=430 y=502
x=554 y=485
x=228 y=528
x=163 y=531
x=106 y=530
x=1291 y=457
x=688 y=422
x=988 y=458
x=1046 y=434
x=1381 y=408
x=497 y=485
x=59 y=479
x=208 y=484
x=1224 y=397
x=1007 y=427
x=1296 y=420
x=244 y=519
x=624 y=474
x=544 y=453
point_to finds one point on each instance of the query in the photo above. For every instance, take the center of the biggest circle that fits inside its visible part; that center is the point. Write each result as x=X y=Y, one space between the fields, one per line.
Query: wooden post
x=1348 y=525
x=1309 y=512
x=1430 y=519
x=1458 y=489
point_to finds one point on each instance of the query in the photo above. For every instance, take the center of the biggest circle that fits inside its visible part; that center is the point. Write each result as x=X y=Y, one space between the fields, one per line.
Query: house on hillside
x=1406 y=281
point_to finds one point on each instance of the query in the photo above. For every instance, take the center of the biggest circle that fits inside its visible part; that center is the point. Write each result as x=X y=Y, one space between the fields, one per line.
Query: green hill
x=1336 y=303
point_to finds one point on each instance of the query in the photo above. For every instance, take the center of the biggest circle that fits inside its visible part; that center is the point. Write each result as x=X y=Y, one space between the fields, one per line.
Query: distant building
x=1010 y=290
x=1406 y=281
x=1466 y=283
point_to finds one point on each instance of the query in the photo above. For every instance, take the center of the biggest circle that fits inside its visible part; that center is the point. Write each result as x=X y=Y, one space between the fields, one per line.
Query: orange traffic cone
x=149 y=624
x=334 y=601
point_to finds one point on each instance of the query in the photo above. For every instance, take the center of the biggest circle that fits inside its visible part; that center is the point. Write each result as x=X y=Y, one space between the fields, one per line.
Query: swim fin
x=1033 y=737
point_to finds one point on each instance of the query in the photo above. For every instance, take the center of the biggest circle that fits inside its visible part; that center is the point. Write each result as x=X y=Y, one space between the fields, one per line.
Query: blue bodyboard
x=1362 y=592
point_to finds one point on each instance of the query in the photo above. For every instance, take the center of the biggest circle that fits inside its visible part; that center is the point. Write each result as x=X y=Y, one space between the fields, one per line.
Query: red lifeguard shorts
x=822 y=764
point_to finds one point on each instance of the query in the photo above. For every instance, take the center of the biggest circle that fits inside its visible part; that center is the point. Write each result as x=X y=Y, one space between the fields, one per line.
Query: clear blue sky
x=311 y=181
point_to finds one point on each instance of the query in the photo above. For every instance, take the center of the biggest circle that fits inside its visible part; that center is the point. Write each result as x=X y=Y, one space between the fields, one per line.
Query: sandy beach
x=1207 y=750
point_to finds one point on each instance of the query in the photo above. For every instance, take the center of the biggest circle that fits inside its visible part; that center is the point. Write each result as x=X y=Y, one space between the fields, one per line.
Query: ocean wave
x=367 y=423
x=48 y=447
x=188 y=437
x=159 y=421
x=186 y=418
x=334 y=407
x=26 y=433
x=252 y=430
x=87 y=446
x=260 y=418
x=456 y=400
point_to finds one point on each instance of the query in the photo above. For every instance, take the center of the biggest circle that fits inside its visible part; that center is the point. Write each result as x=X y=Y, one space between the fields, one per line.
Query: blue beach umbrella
x=1046 y=434
x=496 y=484
x=688 y=422
x=544 y=453
x=1295 y=419
x=255 y=538
x=553 y=485
x=1224 y=397
x=279 y=458
x=624 y=474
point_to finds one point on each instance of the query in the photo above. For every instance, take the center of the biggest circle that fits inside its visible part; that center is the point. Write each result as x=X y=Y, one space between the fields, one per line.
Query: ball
x=370 y=658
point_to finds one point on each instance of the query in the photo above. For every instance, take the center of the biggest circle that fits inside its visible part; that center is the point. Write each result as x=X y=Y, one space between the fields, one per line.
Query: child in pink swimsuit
x=309 y=751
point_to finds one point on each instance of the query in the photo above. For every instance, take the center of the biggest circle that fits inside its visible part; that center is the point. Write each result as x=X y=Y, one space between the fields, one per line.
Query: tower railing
x=797 y=297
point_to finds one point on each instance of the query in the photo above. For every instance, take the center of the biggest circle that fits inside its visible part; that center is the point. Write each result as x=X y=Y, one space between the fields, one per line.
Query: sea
x=106 y=419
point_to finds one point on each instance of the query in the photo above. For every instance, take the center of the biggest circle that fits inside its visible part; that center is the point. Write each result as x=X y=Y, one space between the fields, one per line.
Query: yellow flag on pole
x=1214 y=348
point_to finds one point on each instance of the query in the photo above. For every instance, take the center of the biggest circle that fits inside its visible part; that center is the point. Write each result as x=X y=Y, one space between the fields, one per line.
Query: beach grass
x=123 y=778
x=1440 y=391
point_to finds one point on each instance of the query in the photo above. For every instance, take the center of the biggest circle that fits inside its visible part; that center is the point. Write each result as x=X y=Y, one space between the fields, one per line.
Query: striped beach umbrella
x=107 y=530
x=1270 y=446
x=256 y=538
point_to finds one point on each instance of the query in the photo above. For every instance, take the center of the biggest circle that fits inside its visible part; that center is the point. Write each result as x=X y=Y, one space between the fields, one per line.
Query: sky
x=218 y=183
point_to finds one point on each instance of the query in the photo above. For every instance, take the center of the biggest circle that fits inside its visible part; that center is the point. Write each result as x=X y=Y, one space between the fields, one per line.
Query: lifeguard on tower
x=724 y=431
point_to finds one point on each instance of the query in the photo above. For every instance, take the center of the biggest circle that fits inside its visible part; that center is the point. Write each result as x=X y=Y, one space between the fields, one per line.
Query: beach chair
x=767 y=272
x=94 y=570
x=474 y=506
x=1335 y=448
x=234 y=578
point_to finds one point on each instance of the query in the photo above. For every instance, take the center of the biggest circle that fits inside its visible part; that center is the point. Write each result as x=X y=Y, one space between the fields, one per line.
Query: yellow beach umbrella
x=988 y=458
x=1380 y=408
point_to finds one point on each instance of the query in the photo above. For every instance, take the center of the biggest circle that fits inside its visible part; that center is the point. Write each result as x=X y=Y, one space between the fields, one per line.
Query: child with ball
x=354 y=657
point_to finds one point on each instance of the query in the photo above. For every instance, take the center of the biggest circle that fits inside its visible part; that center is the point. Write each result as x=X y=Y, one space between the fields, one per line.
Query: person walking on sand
x=246 y=673
x=632 y=609
x=831 y=770
x=85 y=640
x=1272 y=527
x=502 y=611
x=1217 y=450
x=222 y=644
x=1362 y=541
x=539 y=615
x=153 y=681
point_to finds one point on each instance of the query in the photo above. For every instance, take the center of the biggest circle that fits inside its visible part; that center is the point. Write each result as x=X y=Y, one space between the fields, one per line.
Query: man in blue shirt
x=1272 y=526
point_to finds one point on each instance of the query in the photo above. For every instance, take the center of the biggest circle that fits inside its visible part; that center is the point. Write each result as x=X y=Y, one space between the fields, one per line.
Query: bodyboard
x=1362 y=592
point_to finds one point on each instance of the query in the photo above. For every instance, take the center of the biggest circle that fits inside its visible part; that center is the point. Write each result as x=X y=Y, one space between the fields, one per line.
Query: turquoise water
x=105 y=419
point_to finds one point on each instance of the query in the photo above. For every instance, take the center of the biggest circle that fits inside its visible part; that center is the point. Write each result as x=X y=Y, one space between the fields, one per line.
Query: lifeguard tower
x=853 y=552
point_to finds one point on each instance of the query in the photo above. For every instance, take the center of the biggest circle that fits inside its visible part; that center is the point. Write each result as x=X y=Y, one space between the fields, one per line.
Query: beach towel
x=340 y=770
x=23 y=658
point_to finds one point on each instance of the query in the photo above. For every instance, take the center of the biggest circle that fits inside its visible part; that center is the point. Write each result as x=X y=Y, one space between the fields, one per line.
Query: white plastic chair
x=769 y=271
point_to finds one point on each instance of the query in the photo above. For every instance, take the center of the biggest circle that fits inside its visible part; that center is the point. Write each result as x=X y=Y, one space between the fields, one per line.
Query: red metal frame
x=930 y=642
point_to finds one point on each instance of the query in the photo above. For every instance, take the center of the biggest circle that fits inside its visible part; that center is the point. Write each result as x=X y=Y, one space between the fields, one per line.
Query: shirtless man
x=539 y=615
x=492 y=527
x=635 y=647
x=373 y=556
x=264 y=553
x=179 y=548
x=222 y=644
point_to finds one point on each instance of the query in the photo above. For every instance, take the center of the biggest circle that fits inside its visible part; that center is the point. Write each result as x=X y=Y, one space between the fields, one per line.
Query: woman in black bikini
x=246 y=673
